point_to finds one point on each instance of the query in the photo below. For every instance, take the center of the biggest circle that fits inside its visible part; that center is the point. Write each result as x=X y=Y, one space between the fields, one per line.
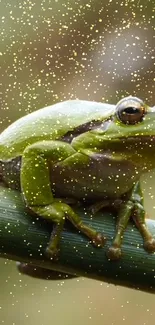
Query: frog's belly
x=94 y=181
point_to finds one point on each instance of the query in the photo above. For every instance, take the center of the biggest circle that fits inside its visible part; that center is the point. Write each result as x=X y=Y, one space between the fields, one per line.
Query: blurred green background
x=56 y=50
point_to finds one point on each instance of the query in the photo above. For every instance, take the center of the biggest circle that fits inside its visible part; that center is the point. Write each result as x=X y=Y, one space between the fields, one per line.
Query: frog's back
x=49 y=123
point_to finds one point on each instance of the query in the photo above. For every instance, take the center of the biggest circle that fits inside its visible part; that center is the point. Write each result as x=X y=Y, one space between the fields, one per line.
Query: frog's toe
x=114 y=253
x=149 y=245
x=99 y=240
x=52 y=253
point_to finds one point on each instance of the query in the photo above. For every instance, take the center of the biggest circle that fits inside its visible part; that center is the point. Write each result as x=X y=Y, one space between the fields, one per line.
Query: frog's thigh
x=35 y=178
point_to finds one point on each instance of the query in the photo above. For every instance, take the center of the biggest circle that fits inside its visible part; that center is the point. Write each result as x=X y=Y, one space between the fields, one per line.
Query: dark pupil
x=131 y=110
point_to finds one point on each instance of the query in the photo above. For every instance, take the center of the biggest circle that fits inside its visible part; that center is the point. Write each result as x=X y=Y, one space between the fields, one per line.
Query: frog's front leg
x=134 y=208
x=36 y=188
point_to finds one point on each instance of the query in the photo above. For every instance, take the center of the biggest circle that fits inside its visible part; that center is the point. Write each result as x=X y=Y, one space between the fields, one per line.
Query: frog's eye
x=130 y=110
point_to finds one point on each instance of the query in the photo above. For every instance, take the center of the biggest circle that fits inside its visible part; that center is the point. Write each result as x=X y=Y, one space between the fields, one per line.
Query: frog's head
x=129 y=133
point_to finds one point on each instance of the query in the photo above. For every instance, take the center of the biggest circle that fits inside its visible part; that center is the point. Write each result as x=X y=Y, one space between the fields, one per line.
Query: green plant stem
x=24 y=238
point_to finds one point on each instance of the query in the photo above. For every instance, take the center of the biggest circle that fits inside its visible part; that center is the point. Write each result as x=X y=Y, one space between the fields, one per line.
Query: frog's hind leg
x=36 y=188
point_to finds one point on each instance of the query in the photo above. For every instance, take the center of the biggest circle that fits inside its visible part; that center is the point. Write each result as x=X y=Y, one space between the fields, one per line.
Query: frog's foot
x=114 y=253
x=58 y=212
x=99 y=240
x=52 y=253
x=52 y=250
x=149 y=245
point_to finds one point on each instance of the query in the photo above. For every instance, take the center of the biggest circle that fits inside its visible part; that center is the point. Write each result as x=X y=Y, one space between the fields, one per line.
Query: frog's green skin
x=81 y=150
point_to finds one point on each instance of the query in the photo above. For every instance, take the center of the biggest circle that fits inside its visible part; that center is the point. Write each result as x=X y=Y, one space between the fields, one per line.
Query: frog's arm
x=24 y=240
